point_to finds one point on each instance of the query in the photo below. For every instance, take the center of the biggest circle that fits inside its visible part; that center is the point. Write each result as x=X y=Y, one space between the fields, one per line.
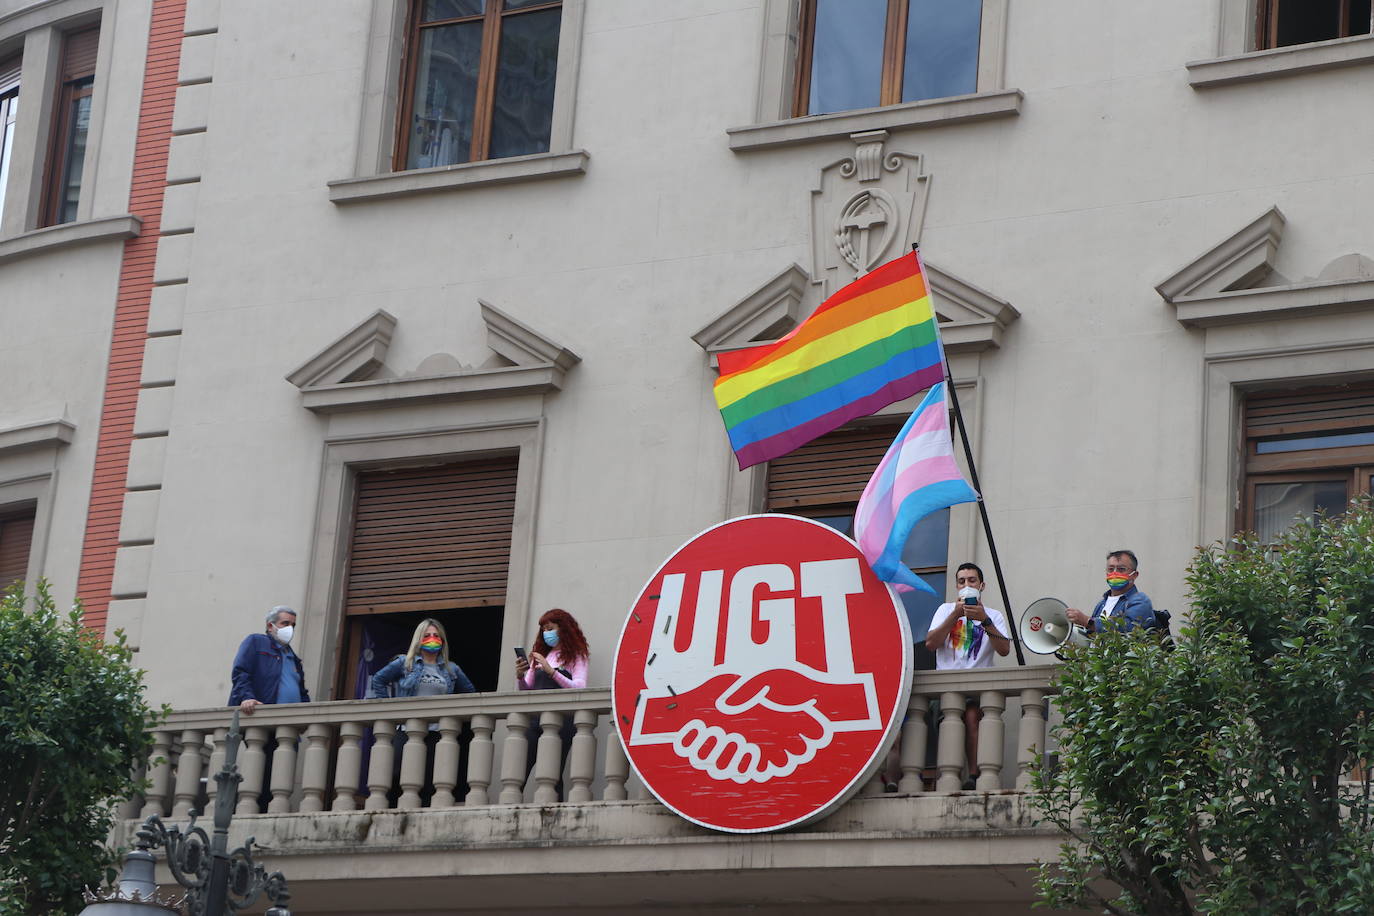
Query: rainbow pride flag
x=916 y=477
x=872 y=343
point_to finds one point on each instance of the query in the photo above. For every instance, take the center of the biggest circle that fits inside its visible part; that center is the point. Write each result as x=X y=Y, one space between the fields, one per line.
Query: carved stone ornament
x=867 y=208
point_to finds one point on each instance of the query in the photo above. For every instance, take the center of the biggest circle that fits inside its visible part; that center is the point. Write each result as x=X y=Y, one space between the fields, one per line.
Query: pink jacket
x=577 y=670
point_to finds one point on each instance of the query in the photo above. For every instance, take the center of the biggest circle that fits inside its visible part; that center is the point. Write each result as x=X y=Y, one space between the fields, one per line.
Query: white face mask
x=284 y=634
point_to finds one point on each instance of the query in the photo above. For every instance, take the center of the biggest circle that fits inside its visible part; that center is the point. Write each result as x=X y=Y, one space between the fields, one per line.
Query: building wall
x=1115 y=173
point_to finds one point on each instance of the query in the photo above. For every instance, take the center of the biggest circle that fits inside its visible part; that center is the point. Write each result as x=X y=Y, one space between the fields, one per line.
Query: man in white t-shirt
x=965 y=634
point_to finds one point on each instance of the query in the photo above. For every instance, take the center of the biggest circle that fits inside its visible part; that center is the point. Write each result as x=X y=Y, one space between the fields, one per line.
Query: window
x=71 y=125
x=9 y=109
x=428 y=542
x=16 y=539
x=1280 y=23
x=480 y=80
x=1306 y=451
x=824 y=479
x=869 y=53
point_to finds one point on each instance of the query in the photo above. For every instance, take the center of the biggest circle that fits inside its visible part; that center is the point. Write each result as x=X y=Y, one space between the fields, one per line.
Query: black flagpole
x=982 y=509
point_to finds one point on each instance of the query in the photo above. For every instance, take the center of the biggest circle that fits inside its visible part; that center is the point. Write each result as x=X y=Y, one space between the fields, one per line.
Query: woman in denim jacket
x=424 y=670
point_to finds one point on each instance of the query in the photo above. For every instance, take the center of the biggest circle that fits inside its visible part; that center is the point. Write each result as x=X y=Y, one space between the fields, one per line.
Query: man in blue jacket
x=1123 y=606
x=265 y=668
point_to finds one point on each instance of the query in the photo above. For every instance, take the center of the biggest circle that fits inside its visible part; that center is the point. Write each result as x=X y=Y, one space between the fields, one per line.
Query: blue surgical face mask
x=550 y=638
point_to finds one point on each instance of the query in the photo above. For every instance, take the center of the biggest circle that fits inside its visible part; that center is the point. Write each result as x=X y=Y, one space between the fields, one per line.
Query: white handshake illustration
x=756 y=712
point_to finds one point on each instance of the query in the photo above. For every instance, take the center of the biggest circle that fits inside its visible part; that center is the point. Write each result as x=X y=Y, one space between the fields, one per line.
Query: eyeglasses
x=1120 y=569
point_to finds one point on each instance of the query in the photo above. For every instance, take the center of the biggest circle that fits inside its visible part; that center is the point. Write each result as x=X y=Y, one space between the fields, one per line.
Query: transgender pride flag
x=916 y=477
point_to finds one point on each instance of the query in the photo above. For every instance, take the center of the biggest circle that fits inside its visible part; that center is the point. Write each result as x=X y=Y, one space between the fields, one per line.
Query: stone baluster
x=348 y=767
x=513 y=759
x=1032 y=737
x=949 y=753
x=412 y=764
x=873 y=785
x=481 y=754
x=216 y=763
x=283 y=769
x=252 y=763
x=913 y=748
x=548 y=761
x=617 y=767
x=639 y=791
x=129 y=807
x=159 y=775
x=582 y=766
x=315 y=774
x=188 y=772
x=379 y=765
x=446 y=762
x=990 y=732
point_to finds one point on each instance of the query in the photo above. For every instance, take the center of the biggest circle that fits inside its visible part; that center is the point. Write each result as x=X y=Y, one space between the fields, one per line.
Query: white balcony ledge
x=69 y=235
x=486 y=173
x=1281 y=62
x=957 y=109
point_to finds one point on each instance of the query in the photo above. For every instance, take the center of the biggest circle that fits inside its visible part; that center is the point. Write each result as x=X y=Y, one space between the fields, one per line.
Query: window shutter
x=9 y=72
x=78 y=56
x=1309 y=410
x=16 y=537
x=831 y=470
x=432 y=538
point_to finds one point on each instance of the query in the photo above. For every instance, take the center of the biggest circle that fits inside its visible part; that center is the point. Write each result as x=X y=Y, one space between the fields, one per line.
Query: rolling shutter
x=427 y=539
x=1309 y=410
x=16 y=537
x=830 y=471
x=78 y=54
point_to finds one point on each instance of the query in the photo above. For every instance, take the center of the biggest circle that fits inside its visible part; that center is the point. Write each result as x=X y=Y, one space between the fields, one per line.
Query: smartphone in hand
x=519 y=651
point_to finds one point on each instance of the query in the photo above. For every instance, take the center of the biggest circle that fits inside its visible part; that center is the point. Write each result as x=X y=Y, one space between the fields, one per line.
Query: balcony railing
x=339 y=756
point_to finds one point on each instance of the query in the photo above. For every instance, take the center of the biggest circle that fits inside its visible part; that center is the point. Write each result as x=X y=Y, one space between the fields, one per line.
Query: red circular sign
x=761 y=673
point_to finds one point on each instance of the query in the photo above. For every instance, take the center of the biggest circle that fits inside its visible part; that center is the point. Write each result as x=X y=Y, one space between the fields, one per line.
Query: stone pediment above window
x=971 y=319
x=1235 y=281
x=351 y=372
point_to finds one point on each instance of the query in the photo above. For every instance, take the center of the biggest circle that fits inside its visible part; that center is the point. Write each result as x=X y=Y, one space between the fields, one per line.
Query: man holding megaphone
x=1123 y=606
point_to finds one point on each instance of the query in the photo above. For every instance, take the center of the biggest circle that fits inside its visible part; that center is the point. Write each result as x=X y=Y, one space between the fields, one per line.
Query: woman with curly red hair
x=557 y=656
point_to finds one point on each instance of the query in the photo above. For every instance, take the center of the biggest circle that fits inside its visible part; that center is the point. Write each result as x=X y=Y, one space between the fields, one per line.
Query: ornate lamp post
x=218 y=882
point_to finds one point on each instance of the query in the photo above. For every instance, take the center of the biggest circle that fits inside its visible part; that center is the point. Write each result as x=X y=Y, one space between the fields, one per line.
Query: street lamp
x=218 y=882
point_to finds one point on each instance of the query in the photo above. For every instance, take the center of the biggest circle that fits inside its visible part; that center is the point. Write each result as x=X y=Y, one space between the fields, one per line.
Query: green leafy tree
x=73 y=726
x=1216 y=777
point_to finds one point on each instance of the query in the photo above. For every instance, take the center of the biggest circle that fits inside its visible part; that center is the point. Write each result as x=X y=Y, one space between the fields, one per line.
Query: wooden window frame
x=485 y=102
x=72 y=87
x=1267 y=23
x=894 y=55
x=1354 y=463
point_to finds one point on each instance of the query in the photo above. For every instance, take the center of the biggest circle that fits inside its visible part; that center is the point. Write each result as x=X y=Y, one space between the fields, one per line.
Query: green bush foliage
x=73 y=726
x=1211 y=778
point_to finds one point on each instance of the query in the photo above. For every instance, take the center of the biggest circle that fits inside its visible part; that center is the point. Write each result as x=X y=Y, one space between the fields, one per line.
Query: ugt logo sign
x=762 y=672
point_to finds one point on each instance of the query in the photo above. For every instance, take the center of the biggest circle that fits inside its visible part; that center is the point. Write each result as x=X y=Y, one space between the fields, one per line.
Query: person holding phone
x=965 y=634
x=557 y=660
x=557 y=656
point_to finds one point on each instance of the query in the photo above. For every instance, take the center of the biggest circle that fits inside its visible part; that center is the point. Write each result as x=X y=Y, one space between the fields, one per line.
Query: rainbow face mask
x=1118 y=580
x=431 y=644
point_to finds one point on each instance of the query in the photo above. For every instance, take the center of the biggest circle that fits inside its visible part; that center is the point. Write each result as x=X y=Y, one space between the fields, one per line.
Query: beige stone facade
x=1134 y=221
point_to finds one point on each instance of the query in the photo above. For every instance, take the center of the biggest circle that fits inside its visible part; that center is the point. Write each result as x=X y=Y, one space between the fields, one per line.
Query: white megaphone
x=1046 y=630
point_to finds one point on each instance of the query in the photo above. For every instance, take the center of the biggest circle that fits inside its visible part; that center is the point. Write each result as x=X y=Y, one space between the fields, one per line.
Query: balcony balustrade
x=325 y=756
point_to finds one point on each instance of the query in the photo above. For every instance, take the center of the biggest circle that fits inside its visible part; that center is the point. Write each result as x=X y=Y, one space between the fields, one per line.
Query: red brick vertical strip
x=131 y=311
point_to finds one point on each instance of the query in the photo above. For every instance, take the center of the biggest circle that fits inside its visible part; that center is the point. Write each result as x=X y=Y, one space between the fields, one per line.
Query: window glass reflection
x=941 y=49
x=451 y=9
x=445 y=96
x=75 y=159
x=1337 y=440
x=526 y=67
x=847 y=55
x=1278 y=506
